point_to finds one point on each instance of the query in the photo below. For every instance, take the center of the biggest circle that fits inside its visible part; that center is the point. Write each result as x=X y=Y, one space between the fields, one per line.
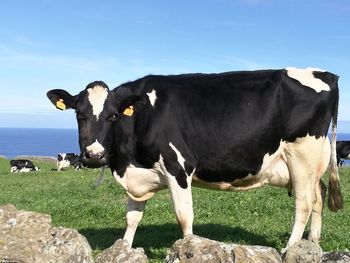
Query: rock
x=303 y=251
x=197 y=249
x=336 y=257
x=29 y=237
x=121 y=252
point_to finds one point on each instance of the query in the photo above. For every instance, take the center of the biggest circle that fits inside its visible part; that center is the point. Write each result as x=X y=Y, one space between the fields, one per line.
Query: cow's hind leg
x=306 y=164
x=320 y=193
x=133 y=217
x=316 y=215
x=304 y=200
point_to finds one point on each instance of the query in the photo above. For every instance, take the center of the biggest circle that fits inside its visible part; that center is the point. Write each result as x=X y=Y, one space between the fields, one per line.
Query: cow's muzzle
x=93 y=160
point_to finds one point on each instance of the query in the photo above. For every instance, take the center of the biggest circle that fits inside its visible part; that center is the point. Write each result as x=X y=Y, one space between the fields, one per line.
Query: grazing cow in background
x=65 y=160
x=343 y=151
x=231 y=131
x=22 y=166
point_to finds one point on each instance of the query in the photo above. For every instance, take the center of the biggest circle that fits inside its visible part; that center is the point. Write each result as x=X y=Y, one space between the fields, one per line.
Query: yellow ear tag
x=129 y=111
x=60 y=104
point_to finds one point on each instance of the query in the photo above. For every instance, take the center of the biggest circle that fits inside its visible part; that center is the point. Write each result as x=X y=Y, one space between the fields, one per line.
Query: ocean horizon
x=37 y=142
x=49 y=142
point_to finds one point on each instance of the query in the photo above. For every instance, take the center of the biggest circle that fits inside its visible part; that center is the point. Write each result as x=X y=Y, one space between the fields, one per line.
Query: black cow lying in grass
x=22 y=166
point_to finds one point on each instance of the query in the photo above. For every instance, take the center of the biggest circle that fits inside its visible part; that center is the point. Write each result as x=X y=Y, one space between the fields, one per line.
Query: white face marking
x=95 y=148
x=306 y=77
x=97 y=97
x=152 y=97
x=180 y=158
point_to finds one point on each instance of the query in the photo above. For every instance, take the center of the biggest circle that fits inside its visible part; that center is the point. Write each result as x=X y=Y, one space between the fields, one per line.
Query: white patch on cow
x=306 y=77
x=152 y=97
x=140 y=183
x=14 y=169
x=62 y=164
x=97 y=97
x=95 y=148
x=25 y=170
x=180 y=158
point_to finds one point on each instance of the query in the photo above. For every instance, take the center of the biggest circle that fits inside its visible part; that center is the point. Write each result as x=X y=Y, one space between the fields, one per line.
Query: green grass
x=258 y=217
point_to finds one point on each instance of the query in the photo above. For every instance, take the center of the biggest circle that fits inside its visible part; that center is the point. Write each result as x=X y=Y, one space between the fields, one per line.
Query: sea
x=49 y=142
x=37 y=142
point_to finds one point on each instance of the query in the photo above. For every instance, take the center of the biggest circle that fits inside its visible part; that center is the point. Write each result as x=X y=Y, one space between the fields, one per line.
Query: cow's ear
x=131 y=105
x=61 y=99
x=128 y=103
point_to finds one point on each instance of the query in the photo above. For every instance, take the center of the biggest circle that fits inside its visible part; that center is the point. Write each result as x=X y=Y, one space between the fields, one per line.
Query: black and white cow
x=22 y=166
x=65 y=160
x=231 y=131
x=343 y=151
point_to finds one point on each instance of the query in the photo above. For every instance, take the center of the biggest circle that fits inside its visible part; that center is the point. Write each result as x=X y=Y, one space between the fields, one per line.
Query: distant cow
x=231 y=131
x=65 y=160
x=343 y=151
x=22 y=166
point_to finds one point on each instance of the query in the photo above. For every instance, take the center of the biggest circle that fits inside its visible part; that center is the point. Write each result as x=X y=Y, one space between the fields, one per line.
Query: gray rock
x=336 y=257
x=121 y=252
x=303 y=251
x=27 y=237
x=197 y=249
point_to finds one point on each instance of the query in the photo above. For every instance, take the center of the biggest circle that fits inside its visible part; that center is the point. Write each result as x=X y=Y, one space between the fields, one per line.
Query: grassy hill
x=258 y=217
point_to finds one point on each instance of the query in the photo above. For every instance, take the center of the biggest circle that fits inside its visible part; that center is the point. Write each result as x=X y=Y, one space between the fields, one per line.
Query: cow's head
x=97 y=111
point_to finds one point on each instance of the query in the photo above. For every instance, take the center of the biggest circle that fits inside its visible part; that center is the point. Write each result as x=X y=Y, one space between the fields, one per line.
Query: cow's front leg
x=182 y=200
x=132 y=218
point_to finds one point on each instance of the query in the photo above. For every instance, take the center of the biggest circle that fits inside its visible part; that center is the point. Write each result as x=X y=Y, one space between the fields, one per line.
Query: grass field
x=258 y=217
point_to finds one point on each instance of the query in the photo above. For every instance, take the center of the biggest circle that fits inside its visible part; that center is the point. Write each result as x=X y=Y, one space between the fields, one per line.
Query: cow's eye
x=114 y=117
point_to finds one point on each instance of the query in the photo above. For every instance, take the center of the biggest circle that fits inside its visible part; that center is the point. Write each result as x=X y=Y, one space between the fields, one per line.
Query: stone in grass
x=29 y=237
x=303 y=251
x=121 y=252
x=193 y=249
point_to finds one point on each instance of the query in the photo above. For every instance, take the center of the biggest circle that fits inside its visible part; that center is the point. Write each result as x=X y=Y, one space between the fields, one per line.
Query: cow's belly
x=274 y=171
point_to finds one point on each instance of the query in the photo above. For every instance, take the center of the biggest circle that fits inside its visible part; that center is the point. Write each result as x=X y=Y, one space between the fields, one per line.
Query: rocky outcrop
x=29 y=237
x=197 y=249
x=202 y=250
x=121 y=252
x=336 y=257
x=303 y=251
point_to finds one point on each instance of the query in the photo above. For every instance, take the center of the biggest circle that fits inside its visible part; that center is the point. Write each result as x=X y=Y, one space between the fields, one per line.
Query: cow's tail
x=335 y=197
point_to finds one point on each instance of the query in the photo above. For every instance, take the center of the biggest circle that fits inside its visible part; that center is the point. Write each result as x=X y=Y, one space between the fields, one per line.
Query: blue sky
x=46 y=44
